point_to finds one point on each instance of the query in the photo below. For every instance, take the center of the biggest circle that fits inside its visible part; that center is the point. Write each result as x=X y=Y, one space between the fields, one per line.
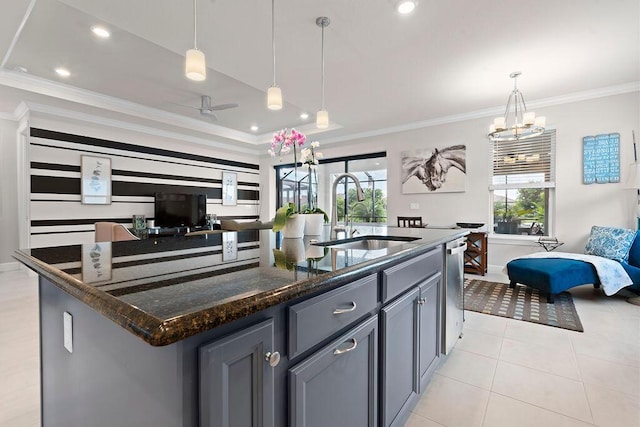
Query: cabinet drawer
x=320 y=317
x=399 y=278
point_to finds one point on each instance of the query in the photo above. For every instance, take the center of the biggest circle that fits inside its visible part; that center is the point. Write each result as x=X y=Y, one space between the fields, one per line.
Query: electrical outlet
x=415 y=206
x=67 y=321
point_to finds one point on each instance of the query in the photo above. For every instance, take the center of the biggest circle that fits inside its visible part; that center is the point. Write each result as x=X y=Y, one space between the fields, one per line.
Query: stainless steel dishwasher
x=453 y=293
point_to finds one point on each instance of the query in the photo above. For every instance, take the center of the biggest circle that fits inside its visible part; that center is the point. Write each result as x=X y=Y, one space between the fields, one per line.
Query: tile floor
x=502 y=373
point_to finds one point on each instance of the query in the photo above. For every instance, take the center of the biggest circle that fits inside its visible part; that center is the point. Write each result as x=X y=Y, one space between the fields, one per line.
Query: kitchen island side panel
x=112 y=378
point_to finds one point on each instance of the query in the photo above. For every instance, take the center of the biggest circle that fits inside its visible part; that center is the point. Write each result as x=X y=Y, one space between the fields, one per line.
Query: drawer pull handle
x=337 y=351
x=345 y=310
x=422 y=301
x=272 y=358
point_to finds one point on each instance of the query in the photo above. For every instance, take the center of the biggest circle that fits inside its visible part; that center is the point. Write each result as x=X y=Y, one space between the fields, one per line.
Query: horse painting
x=431 y=168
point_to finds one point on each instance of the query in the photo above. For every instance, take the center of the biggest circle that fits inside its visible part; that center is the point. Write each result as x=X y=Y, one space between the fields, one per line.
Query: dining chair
x=410 y=221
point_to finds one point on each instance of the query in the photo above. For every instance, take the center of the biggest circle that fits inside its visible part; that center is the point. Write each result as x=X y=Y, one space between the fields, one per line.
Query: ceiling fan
x=207 y=110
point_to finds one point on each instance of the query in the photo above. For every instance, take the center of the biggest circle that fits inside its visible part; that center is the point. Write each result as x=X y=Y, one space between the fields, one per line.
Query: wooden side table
x=475 y=257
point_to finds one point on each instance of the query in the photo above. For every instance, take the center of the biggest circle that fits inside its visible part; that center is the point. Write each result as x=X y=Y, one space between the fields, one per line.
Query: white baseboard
x=10 y=266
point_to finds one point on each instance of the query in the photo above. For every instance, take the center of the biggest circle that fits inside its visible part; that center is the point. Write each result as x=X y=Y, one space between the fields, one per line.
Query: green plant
x=281 y=216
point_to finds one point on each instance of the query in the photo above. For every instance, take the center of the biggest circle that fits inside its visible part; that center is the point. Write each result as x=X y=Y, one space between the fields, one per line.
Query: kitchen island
x=240 y=328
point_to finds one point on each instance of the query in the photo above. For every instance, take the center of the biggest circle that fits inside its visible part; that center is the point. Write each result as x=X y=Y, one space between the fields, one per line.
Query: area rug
x=521 y=303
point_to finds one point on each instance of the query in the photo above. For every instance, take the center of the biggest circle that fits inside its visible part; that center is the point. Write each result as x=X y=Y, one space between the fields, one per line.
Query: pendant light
x=195 y=67
x=517 y=124
x=274 y=94
x=322 y=117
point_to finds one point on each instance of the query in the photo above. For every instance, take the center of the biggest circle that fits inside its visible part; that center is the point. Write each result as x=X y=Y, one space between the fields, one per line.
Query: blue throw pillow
x=610 y=242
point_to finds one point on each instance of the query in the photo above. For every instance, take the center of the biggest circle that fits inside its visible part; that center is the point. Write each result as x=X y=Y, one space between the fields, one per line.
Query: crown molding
x=494 y=111
x=46 y=110
x=70 y=93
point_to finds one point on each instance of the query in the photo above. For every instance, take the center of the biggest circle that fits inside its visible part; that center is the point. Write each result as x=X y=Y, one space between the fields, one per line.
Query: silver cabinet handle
x=422 y=301
x=272 y=358
x=347 y=350
x=345 y=310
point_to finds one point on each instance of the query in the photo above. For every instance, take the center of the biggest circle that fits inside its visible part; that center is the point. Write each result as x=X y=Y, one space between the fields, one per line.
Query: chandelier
x=519 y=123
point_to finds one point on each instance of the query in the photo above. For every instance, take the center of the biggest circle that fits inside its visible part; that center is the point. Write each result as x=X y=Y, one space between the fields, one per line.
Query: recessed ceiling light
x=254 y=128
x=63 y=72
x=101 y=32
x=406 y=6
x=304 y=116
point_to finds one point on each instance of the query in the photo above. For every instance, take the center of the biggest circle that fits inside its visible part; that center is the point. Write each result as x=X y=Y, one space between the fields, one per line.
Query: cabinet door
x=236 y=380
x=399 y=358
x=337 y=386
x=429 y=327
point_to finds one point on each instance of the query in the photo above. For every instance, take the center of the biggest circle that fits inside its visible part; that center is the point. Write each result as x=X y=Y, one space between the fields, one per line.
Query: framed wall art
x=601 y=159
x=96 y=180
x=229 y=189
x=434 y=170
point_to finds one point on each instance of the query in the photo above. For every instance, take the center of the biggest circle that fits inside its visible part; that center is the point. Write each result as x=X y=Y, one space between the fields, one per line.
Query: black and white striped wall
x=138 y=172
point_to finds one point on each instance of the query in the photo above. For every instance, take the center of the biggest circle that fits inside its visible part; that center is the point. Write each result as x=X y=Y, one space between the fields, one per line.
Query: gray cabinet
x=316 y=319
x=399 y=358
x=429 y=327
x=337 y=385
x=237 y=379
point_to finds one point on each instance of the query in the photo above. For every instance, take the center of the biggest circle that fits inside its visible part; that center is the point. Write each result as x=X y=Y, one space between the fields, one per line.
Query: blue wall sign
x=601 y=158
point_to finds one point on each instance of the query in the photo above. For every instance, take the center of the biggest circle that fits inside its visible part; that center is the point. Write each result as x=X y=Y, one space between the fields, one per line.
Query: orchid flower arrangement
x=283 y=142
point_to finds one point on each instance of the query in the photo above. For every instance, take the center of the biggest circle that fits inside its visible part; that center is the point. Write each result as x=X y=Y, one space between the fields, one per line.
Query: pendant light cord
x=195 y=23
x=273 y=38
x=322 y=103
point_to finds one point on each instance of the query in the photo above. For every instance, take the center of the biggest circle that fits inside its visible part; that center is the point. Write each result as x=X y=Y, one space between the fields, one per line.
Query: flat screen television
x=180 y=210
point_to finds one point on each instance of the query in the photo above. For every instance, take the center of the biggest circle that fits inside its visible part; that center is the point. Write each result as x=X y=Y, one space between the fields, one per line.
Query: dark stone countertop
x=167 y=289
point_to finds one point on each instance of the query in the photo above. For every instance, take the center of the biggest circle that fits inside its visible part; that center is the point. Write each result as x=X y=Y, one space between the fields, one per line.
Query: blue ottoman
x=551 y=275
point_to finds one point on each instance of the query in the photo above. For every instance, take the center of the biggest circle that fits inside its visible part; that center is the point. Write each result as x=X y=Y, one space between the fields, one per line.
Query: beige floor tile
x=452 y=403
x=485 y=323
x=534 y=333
x=29 y=418
x=480 y=343
x=548 y=391
x=611 y=375
x=620 y=306
x=503 y=411
x=469 y=368
x=540 y=357
x=611 y=408
x=601 y=346
x=617 y=327
x=416 y=420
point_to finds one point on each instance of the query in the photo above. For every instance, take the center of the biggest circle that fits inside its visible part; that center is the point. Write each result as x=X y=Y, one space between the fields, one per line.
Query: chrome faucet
x=334 y=202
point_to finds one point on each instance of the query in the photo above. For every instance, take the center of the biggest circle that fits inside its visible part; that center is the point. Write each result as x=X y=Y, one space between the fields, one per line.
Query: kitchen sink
x=367 y=242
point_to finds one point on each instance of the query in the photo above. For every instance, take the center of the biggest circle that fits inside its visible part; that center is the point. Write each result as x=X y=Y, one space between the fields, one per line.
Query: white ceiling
x=383 y=70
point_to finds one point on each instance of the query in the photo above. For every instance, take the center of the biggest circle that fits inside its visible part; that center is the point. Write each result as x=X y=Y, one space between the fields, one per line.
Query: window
x=371 y=171
x=522 y=185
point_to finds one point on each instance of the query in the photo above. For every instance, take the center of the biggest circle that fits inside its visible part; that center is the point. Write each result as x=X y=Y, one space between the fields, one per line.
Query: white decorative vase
x=313 y=224
x=294 y=227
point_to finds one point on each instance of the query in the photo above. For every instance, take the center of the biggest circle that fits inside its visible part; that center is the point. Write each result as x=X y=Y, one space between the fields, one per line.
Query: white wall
x=578 y=206
x=8 y=192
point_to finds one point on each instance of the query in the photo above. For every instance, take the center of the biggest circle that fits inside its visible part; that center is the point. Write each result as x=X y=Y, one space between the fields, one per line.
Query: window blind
x=526 y=161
